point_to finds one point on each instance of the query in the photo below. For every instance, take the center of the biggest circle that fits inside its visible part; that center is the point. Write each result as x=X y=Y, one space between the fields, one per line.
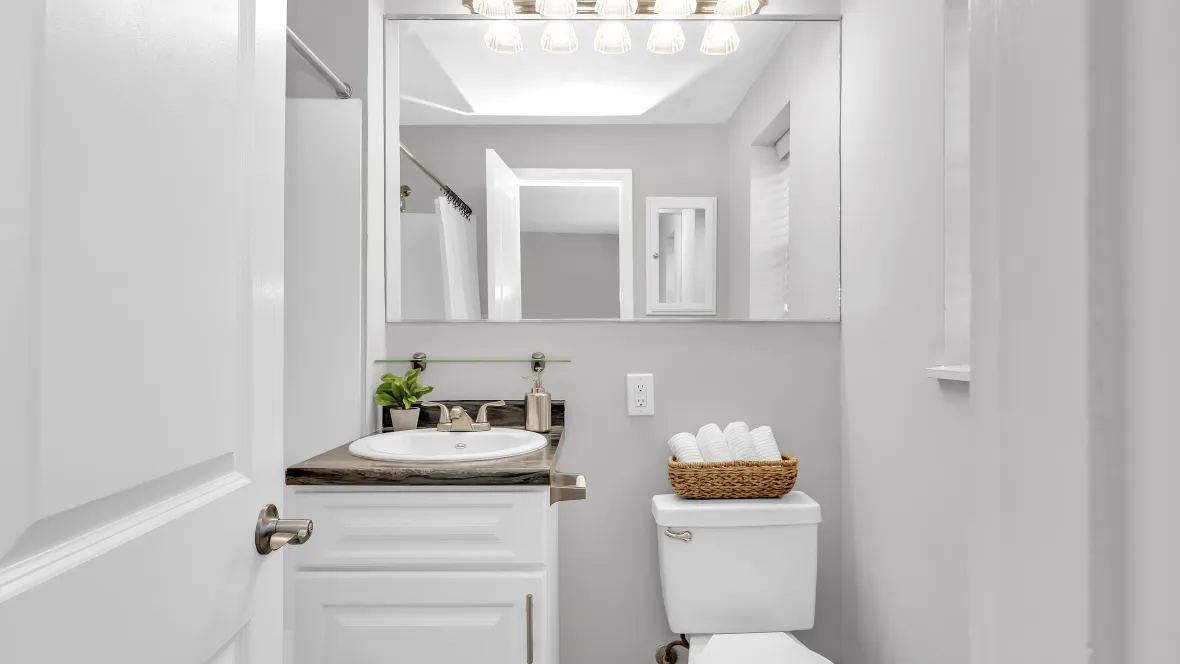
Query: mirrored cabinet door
x=682 y=256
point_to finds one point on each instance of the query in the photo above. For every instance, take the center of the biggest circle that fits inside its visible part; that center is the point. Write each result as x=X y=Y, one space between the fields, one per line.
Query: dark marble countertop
x=338 y=467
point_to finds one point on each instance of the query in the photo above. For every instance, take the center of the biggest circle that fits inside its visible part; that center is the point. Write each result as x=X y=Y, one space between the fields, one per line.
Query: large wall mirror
x=627 y=170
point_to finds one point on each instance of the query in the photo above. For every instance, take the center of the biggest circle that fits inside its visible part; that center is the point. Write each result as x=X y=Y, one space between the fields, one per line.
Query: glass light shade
x=676 y=8
x=559 y=37
x=721 y=38
x=616 y=8
x=557 y=8
x=736 y=8
x=666 y=38
x=612 y=38
x=503 y=37
x=494 y=8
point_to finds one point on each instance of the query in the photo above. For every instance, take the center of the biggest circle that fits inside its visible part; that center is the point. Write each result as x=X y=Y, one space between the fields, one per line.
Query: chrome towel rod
x=343 y=90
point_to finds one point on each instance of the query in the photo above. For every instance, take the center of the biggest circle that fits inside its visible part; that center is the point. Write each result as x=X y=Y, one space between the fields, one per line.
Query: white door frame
x=620 y=180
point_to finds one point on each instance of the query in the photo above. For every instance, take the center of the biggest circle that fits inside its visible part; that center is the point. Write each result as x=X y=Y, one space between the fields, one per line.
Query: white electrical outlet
x=641 y=396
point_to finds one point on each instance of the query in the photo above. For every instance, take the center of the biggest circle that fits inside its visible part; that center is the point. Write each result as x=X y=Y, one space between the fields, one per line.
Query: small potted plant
x=399 y=394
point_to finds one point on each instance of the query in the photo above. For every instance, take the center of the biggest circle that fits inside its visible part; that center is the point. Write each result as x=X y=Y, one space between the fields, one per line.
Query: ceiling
x=570 y=209
x=448 y=77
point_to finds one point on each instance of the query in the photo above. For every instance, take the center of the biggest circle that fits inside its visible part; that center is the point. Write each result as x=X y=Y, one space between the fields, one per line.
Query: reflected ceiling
x=449 y=77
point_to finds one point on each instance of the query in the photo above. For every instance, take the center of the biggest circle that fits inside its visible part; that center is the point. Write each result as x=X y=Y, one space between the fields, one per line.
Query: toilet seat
x=761 y=648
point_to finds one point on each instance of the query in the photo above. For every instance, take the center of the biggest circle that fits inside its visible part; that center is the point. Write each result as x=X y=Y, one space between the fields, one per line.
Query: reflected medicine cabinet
x=682 y=256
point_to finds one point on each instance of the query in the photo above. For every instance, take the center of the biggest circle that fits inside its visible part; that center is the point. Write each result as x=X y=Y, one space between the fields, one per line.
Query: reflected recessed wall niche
x=692 y=175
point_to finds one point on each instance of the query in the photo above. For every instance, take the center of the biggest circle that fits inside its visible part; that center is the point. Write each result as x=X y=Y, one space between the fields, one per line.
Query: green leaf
x=406 y=390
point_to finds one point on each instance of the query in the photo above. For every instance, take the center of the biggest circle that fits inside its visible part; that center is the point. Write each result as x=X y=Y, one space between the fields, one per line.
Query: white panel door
x=420 y=617
x=141 y=277
x=503 y=240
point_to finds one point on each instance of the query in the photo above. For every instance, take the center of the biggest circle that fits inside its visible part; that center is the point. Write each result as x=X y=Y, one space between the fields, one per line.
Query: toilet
x=738 y=576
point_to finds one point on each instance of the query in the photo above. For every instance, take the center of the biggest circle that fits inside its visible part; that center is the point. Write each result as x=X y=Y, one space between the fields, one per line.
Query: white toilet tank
x=737 y=566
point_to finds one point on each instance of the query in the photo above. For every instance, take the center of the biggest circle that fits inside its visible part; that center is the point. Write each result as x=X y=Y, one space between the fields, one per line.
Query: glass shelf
x=473 y=360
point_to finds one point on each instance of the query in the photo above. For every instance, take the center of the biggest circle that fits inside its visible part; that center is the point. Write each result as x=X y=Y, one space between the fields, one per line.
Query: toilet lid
x=765 y=648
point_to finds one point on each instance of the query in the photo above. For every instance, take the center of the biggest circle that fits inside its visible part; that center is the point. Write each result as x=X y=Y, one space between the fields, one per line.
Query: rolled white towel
x=712 y=444
x=741 y=443
x=765 y=444
x=684 y=448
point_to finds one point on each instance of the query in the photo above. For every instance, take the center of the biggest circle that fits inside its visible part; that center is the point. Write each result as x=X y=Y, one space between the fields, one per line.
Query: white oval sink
x=431 y=445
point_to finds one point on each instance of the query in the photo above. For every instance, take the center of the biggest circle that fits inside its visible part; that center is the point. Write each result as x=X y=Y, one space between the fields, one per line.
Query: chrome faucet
x=457 y=419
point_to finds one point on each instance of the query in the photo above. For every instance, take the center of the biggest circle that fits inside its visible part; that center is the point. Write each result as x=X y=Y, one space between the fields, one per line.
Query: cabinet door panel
x=419 y=617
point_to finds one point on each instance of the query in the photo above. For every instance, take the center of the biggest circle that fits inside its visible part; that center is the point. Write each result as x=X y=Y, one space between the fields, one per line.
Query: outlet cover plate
x=641 y=395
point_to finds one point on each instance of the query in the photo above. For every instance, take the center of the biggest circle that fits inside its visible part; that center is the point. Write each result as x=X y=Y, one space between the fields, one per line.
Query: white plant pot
x=402 y=419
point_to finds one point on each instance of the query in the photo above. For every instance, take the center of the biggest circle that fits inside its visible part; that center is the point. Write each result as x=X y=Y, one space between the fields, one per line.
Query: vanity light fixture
x=494 y=8
x=616 y=8
x=559 y=37
x=612 y=38
x=721 y=38
x=675 y=9
x=666 y=38
x=737 y=8
x=503 y=37
x=557 y=8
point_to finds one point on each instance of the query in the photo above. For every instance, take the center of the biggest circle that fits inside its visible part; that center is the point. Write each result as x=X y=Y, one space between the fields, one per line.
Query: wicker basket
x=733 y=479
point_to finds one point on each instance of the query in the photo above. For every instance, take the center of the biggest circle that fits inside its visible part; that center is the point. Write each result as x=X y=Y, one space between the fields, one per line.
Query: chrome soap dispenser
x=537 y=406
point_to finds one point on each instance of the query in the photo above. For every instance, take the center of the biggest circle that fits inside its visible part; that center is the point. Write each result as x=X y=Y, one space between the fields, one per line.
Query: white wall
x=804 y=72
x=781 y=374
x=907 y=438
x=569 y=275
x=324 y=305
x=684 y=160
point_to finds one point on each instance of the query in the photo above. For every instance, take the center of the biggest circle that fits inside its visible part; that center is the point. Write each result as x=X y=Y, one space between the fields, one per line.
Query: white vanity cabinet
x=424 y=575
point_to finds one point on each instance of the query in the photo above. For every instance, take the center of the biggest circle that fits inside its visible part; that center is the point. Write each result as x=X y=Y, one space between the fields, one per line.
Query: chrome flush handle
x=685 y=536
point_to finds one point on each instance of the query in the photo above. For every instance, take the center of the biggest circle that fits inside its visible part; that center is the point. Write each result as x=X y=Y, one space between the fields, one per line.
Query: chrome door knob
x=272 y=532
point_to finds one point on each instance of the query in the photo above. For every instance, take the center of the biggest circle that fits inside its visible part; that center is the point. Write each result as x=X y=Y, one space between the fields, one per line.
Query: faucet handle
x=482 y=416
x=444 y=417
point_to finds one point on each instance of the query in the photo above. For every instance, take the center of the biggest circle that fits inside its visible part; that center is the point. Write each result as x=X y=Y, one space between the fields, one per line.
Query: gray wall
x=785 y=375
x=569 y=275
x=680 y=160
x=1151 y=134
x=907 y=437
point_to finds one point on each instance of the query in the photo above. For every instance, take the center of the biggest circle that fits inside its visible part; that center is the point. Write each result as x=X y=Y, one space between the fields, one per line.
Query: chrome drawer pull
x=528 y=615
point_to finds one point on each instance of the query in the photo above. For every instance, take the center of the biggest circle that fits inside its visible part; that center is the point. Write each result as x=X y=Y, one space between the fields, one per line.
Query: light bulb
x=736 y=8
x=666 y=38
x=721 y=38
x=494 y=8
x=503 y=37
x=616 y=8
x=557 y=8
x=612 y=38
x=559 y=37
x=676 y=8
